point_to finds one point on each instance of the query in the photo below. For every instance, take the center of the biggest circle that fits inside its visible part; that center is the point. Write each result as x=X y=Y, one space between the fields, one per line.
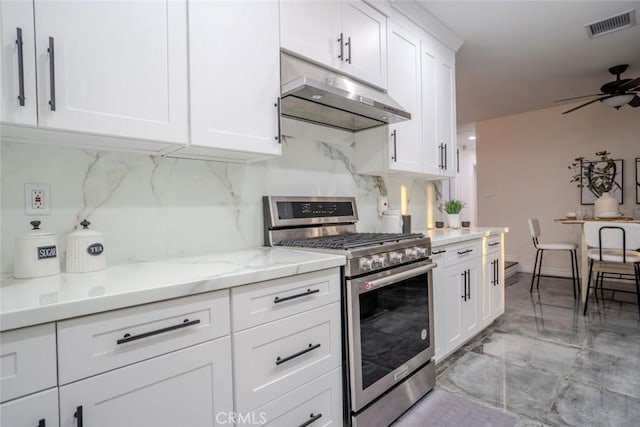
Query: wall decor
x=638 y=180
x=602 y=177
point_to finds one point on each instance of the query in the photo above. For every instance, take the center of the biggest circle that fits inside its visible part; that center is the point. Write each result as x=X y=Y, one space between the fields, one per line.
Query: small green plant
x=453 y=206
x=597 y=176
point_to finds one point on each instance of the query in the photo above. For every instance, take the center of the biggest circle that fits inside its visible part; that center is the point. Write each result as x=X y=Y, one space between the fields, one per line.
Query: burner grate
x=349 y=241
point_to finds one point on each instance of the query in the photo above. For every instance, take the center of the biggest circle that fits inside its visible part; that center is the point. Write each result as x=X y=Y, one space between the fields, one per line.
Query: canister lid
x=36 y=232
x=84 y=231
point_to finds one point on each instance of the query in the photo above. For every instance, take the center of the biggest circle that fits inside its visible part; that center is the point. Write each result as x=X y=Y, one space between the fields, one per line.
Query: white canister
x=392 y=221
x=85 y=250
x=36 y=254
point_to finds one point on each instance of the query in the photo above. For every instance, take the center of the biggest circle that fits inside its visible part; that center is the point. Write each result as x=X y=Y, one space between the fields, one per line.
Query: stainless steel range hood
x=324 y=97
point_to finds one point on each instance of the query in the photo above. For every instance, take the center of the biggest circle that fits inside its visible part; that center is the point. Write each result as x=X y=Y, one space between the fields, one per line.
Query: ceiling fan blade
x=635 y=102
x=578 y=97
x=630 y=85
x=586 y=103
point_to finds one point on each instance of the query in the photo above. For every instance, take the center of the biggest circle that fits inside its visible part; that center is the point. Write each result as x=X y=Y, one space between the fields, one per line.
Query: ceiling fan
x=615 y=93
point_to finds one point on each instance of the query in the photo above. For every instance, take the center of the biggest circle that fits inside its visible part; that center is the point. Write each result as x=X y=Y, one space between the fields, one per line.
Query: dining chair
x=534 y=227
x=613 y=244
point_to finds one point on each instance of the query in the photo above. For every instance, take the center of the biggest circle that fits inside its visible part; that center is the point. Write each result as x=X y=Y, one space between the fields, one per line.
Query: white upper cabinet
x=349 y=36
x=447 y=113
x=234 y=67
x=17 y=64
x=432 y=152
x=113 y=68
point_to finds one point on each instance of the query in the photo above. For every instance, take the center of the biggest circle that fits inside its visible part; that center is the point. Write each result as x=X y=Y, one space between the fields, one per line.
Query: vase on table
x=453 y=220
x=606 y=205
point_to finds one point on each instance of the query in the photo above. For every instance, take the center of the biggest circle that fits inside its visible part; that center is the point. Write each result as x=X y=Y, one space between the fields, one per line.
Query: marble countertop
x=446 y=236
x=25 y=302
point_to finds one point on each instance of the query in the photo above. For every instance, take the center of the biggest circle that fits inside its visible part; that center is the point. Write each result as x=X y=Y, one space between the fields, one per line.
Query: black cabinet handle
x=469 y=283
x=494 y=243
x=348 y=49
x=277 y=105
x=440 y=251
x=464 y=291
x=446 y=165
x=281 y=360
x=42 y=423
x=465 y=252
x=20 y=66
x=493 y=273
x=311 y=420
x=52 y=75
x=341 y=41
x=497 y=273
x=78 y=416
x=185 y=324
x=395 y=147
x=290 y=297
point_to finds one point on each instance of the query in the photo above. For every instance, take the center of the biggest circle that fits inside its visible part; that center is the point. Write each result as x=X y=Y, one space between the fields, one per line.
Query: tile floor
x=549 y=365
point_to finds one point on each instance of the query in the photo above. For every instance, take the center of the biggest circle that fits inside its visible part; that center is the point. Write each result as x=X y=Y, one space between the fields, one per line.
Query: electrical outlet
x=37 y=199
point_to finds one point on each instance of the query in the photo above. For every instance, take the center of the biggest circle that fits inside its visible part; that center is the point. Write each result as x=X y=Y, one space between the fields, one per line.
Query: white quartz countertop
x=446 y=236
x=25 y=302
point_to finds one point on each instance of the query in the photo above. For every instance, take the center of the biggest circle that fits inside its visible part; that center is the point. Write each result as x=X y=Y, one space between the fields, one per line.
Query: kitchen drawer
x=92 y=344
x=275 y=358
x=461 y=252
x=320 y=399
x=27 y=361
x=492 y=244
x=276 y=299
x=28 y=411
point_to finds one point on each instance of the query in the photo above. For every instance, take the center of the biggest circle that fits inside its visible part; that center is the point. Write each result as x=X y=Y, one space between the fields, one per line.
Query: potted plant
x=452 y=208
x=599 y=178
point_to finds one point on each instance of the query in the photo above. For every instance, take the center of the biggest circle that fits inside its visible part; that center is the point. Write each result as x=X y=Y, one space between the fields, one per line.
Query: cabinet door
x=447 y=113
x=497 y=291
x=307 y=29
x=405 y=148
x=185 y=388
x=454 y=294
x=365 y=50
x=488 y=285
x=471 y=315
x=439 y=302
x=116 y=68
x=235 y=75
x=17 y=64
x=432 y=160
x=39 y=409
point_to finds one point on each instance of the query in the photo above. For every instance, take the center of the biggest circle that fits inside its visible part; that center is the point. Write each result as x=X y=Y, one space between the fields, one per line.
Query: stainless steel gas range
x=387 y=291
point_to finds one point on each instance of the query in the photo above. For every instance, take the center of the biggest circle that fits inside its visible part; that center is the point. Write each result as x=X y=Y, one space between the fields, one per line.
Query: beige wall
x=522 y=171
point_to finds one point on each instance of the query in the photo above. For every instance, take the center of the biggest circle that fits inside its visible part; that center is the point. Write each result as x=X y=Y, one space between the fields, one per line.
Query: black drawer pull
x=494 y=244
x=438 y=252
x=186 y=323
x=465 y=252
x=42 y=423
x=281 y=360
x=303 y=294
x=20 y=70
x=78 y=416
x=311 y=420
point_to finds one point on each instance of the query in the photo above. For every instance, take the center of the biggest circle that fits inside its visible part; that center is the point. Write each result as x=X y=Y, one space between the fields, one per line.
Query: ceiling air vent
x=614 y=23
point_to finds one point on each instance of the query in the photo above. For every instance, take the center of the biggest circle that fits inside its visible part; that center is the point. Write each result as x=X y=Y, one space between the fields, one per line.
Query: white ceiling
x=520 y=56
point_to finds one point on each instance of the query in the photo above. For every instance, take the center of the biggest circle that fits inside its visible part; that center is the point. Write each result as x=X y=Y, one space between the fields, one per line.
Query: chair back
x=534 y=227
x=612 y=235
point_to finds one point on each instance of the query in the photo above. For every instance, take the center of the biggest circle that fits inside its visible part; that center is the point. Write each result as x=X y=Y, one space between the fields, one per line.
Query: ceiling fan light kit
x=615 y=93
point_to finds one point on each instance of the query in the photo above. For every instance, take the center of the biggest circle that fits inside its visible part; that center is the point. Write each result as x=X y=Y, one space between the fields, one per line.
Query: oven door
x=390 y=326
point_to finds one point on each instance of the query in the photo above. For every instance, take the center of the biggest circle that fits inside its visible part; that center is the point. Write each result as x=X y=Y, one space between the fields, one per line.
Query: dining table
x=584 y=260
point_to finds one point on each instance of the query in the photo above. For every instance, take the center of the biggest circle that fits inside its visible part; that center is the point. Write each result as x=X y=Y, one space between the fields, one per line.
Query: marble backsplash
x=151 y=208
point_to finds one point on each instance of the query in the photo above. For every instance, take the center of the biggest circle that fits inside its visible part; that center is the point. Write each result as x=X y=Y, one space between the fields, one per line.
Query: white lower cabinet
x=493 y=283
x=189 y=387
x=458 y=295
x=35 y=410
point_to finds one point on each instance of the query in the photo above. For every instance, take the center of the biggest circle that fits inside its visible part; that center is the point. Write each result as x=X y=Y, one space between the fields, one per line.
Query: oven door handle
x=379 y=283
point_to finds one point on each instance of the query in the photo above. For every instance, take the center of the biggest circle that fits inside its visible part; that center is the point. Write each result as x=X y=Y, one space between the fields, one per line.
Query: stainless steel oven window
x=390 y=329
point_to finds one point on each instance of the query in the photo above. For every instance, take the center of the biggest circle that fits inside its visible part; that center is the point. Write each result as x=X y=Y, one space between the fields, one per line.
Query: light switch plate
x=37 y=199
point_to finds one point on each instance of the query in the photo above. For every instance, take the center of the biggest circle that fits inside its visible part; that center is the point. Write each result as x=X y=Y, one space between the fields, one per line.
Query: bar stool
x=609 y=245
x=534 y=227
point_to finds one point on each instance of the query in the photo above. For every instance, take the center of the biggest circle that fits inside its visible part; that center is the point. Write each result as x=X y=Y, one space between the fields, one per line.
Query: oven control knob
x=379 y=261
x=366 y=264
x=411 y=253
x=396 y=257
x=422 y=252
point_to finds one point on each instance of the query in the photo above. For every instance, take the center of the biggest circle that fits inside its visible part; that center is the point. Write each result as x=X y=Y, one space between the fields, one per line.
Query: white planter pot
x=453 y=220
x=606 y=205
